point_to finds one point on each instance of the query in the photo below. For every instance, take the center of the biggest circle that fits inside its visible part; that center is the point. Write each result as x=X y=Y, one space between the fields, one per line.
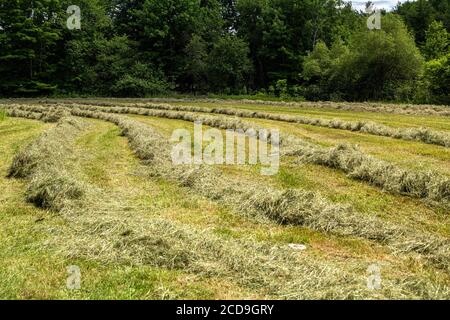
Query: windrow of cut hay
x=389 y=108
x=425 y=135
x=42 y=162
x=306 y=208
x=431 y=186
x=23 y=114
x=51 y=115
x=212 y=121
x=274 y=269
x=102 y=231
x=402 y=109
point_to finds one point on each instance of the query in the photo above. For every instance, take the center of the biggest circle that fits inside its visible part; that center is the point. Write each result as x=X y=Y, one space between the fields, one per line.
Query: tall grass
x=2 y=114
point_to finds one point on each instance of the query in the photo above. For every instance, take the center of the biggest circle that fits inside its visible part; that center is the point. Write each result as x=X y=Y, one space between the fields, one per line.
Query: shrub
x=361 y=69
x=2 y=115
x=228 y=65
x=140 y=81
x=281 y=88
x=437 y=74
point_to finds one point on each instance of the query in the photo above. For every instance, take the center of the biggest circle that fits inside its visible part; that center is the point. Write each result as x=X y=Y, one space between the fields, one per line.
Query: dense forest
x=312 y=49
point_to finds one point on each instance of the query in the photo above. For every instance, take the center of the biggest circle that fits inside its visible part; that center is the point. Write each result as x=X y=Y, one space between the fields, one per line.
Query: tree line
x=312 y=49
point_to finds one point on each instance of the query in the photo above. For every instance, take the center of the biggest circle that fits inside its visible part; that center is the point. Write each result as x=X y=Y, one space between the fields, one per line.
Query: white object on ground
x=296 y=246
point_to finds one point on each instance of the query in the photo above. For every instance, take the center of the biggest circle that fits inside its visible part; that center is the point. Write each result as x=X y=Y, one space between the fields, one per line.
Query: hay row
x=52 y=116
x=42 y=163
x=424 y=135
x=401 y=109
x=269 y=269
x=251 y=199
x=101 y=231
x=431 y=186
x=428 y=185
x=211 y=121
x=214 y=122
x=23 y=114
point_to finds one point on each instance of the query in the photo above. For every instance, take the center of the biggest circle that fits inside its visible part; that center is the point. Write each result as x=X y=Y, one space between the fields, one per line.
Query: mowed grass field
x=99 y=193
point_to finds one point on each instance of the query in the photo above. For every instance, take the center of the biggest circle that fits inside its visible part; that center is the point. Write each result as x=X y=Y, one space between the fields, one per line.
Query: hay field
x=90 y=183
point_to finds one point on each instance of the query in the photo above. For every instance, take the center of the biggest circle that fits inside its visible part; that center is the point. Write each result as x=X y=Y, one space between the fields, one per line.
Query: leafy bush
x=140 y=81
x=131 y=86
x=314 y=93
x=281 y=88
x=229 y=65
x=370 y=67
x=437 y=75
x=2 y=115
x=438 y=41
